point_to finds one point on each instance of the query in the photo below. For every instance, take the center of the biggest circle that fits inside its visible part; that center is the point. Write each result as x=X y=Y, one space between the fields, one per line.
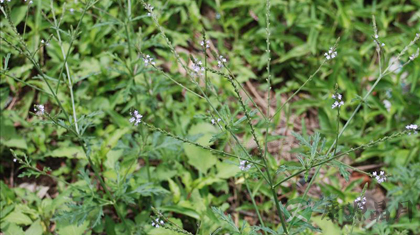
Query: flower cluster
x=148 y=60
x=150 y=9
x=157 y=223
x=415 y=55
x=380 y=178
x=360 y=202
x=387 y=105
x=331 y=54
x=338 y=102
x=214 y=121
x=198 y=67
x=45 y=42
x=221 y=61
x=378 y=42
x=205 y=44
x=39 y=109
x=244 y=165
x=136 y=117
x=412 y=127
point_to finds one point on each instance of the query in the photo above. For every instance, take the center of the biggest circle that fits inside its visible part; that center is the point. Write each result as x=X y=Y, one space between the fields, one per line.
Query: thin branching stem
x=69 y=79
x=373 y=143
x=215 y=151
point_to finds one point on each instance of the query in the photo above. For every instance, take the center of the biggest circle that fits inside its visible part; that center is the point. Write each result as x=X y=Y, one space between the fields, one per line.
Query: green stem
x=297 y=91
x=107 y=192
x=342 y=154
x=67 y=71
x=254 y=204
x=215 y=151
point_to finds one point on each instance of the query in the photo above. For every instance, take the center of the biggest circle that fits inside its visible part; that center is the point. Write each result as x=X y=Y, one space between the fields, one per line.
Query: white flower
x=14 y=159
x=338 y=102
x=376 y=36
x=205 y=43
x=213 y=122
x=387 y=105
x=156 y=223
x=136 y=117
x=412 y=127
x=380 y=178
x=415 y=55
x=197 y=67
x=221 y=61
x=244 y=165
x=360 y=202
x=71 y=10
x=331 y=54
x=148 y=60
x=39 y=109
x=149 y=7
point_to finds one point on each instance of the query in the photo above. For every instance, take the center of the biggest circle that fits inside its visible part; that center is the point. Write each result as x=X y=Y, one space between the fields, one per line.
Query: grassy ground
x=104 y=175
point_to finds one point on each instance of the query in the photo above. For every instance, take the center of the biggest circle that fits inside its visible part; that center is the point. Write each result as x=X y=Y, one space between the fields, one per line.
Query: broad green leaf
x=35 y=229
x=176 y=193
x=65 y=228
x=69 y=152
x=198 y=157
x=181 y=210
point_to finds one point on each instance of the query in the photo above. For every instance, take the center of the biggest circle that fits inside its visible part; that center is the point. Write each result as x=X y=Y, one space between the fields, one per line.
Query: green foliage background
x=180 y=180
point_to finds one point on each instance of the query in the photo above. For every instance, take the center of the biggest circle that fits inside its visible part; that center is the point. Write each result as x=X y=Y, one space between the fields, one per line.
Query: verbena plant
x=117 y=189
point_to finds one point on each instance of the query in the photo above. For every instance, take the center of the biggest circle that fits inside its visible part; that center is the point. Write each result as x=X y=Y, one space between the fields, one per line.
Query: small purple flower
x=360 y=202
x=136 y=117
x=380 y=178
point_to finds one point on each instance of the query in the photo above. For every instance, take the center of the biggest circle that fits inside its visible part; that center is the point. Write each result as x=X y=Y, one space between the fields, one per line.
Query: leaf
x=343 y=169
x=181 y=210
x=258 y=228
x=18 y=14
x=226 y=170
x=21 y=215
x=112 y=140
x=225 y=218
x=18 y=217
x=35 y=228
x=64 y=227
x=148 y=189
x=176 y=193
x=328 y=227
x=315 y=141
x=69 y=152
x=301 y=139
x=198 y=157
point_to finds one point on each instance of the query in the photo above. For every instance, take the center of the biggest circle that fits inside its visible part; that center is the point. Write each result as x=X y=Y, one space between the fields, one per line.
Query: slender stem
x=342 y=154
x=239 y=85
x=68 y=77
x=215 y=151
x=75 y=32
x=267 y=19
x=254 y=204
x=338 y=130
x=297 y=91
x=104 y=186
x=174 y=81
x=31 y=58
